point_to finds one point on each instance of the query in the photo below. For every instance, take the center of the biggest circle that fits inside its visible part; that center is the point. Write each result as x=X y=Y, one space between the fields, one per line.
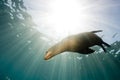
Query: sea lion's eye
x=46 y=51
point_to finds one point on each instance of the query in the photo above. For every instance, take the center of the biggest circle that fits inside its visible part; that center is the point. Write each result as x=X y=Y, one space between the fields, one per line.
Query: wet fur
x=79 y=43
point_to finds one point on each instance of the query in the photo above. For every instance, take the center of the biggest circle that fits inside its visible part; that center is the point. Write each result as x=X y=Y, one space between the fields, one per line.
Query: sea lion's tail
x=96 y=31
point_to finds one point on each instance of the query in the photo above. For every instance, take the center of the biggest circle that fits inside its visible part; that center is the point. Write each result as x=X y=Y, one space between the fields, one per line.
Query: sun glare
x=66 y=17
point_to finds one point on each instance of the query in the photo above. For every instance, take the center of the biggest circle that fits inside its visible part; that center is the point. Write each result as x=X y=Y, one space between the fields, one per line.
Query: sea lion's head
x=48 y=55
x=55 y=50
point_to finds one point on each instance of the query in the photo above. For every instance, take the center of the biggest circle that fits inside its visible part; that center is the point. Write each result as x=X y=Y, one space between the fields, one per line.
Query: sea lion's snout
x=48 y=55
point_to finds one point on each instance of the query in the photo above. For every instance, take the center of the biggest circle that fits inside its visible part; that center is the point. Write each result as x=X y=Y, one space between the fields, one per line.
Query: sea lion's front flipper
x=87 y=51
x=96 y=31
x=90 y=50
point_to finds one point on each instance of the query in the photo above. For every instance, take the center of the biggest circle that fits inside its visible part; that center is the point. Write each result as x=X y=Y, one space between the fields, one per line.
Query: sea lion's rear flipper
x=103 y=48
x=106 y=44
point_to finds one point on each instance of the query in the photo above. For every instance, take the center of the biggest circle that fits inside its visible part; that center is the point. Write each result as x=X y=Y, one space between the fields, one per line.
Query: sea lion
x=79 y=43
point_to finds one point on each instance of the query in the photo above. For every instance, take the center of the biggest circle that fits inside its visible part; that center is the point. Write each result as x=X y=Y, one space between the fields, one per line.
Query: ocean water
x=22 y=50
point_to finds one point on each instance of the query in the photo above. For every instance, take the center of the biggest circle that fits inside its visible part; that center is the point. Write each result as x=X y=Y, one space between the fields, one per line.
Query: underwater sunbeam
x=66 y=17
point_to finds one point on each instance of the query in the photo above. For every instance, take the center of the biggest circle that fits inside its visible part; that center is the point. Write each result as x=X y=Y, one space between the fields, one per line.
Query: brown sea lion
x=79 y=43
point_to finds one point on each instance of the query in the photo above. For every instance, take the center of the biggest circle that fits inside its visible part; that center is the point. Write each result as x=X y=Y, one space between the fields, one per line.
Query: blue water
x=22 y=52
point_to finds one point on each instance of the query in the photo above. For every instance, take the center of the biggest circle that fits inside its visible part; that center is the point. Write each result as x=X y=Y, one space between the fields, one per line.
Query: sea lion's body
x=79 y=43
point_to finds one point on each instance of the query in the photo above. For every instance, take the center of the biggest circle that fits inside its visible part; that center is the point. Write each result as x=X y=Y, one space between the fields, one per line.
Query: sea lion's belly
x=76 y=45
